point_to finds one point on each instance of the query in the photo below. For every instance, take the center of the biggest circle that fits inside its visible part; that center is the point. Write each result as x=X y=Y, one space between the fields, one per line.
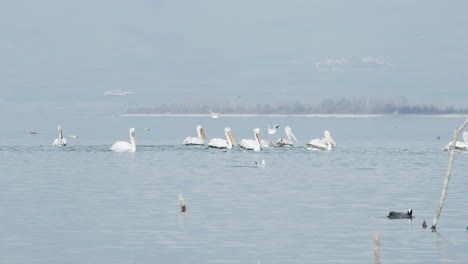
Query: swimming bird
x=325 y=143
x=196 y=140
x=122 y=146
x=284 y=142
x=252 y=144
x=459 y=145
x=272 y=130
x=183 y=208
x=319 y=144
x=223 y=143
x=266 y=143
x=399 y=215
x=60 y=141
x=213 y=114
x=260 y=164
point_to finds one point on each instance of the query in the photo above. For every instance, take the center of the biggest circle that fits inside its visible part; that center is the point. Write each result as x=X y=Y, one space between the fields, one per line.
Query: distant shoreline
x=302 y=115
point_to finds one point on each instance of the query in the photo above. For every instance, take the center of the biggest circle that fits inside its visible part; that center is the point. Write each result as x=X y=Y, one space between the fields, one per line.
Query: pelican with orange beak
x=196 y=140
x=252 y=144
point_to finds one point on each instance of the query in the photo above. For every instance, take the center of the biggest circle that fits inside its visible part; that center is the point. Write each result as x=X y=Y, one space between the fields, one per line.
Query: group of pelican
x=326 y=143
x=257 y=144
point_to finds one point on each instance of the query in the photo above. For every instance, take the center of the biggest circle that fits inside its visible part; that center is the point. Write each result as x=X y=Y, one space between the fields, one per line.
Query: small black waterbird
x=399 y=215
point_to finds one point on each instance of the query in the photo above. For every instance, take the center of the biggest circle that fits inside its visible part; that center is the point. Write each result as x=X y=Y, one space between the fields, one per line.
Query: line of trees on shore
x=341 y=105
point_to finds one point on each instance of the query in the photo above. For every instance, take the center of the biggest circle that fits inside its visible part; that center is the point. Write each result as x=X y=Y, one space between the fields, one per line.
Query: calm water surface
x=85 y=204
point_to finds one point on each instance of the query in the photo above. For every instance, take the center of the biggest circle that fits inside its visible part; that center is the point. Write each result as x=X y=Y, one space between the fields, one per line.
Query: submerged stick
x=182 y=203
x=376 y=249
x=447 y=175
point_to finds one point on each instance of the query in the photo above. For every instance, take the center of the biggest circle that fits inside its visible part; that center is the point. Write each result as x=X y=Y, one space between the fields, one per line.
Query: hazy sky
x=64 y=55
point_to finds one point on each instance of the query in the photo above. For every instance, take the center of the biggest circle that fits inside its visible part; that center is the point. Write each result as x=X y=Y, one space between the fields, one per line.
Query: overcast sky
x=67 y=55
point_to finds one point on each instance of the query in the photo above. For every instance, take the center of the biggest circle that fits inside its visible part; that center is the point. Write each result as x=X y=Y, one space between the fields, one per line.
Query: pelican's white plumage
x=459 y=145
x=213 y=114
x=283 y=142
x=60 y=141
x=252 y=144
x=223 y=143
x=325 y=143
x=319 y=144
x=272 y=130
x=266 y=143
x=122 y=146
x=196 y=140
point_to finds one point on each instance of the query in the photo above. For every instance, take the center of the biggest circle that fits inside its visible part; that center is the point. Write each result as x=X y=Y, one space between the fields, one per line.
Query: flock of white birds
x=256 y=144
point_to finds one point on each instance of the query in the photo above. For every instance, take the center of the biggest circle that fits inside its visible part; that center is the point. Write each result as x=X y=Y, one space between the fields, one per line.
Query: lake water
x=85 y=204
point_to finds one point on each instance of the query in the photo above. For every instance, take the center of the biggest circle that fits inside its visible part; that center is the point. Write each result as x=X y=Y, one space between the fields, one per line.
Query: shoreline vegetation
x=304 y=115
x=334 y=107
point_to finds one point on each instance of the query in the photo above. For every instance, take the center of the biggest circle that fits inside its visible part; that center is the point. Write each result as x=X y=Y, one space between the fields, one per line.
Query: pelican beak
x=258 y=138
x=202 y=133
x=231 y=138
x=294 y=137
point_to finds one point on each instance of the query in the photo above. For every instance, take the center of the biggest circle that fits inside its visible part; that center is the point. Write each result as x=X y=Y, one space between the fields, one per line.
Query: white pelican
x=326 y=143
x=266 y=143
x=213 y=114
x=196 y=140
x=252 y=144
x=328 y=137
x=60 y=141
x=282 y=142
x=272 y=130
x=223 y=143
x=122 y=146
x=459 y=145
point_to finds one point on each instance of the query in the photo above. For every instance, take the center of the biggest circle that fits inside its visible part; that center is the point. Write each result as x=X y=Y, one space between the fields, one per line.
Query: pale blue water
x=84 y=204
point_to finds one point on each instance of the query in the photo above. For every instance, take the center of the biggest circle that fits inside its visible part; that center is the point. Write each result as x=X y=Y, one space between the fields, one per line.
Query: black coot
x=399 y=215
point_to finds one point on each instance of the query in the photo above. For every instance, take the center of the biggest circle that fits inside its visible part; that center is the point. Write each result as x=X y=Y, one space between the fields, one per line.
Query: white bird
x=272 y=130
x=325 y=143
x=122 y=146
x=328 y=137
x=196 y=140
x=252 y=144
x=213 y=114
x=459 y=145
x=283 y=142
x=266 y=143
x=260 y=164
x=223 y=143
x=60 y=141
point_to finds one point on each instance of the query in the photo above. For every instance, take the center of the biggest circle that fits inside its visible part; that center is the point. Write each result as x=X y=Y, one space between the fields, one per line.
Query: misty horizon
x=339 y=105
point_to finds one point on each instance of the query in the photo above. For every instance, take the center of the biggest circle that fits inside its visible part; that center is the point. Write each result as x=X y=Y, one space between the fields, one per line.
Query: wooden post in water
x=447 y=175
x=376 y=249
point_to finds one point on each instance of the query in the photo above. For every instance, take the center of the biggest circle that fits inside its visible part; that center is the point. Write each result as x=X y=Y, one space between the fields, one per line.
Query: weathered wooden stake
x=447 y=175
x=182 y=203
x=376 y=249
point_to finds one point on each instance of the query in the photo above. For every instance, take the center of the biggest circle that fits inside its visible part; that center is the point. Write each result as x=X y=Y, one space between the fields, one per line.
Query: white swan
x=459 y=145
x=252 y=144
x=283 y=142
x=325 y=143
x=223 y=143
x=122 y=146
x=272 y=130
x=196 y=140
x=213 y=114
x=60 y=141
